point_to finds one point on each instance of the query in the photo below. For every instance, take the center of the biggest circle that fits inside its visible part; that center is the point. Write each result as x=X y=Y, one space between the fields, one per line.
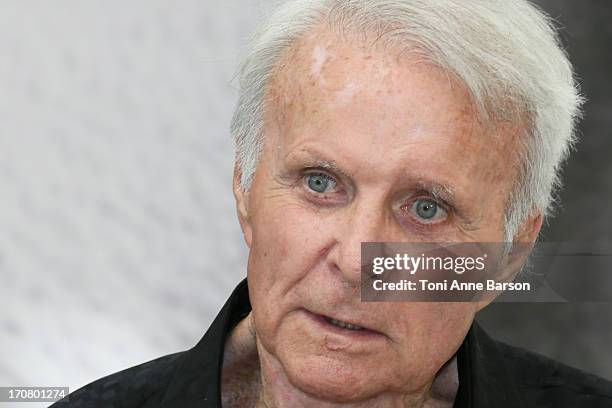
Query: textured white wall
x=118 y=235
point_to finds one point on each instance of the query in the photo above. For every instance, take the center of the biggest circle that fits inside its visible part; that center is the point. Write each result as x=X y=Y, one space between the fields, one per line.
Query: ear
x=526 y=234
x=529 y=229
x=242 y=206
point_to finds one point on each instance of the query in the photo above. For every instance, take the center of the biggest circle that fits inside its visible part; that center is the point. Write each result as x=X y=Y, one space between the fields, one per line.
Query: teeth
x=343 y=324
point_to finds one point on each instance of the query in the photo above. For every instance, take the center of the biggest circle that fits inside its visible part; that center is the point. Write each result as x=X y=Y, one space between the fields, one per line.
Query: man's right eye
x=320 y=183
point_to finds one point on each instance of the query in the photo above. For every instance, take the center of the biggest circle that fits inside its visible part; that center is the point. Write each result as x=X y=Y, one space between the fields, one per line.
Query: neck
x=251 y=377
x=240 y=374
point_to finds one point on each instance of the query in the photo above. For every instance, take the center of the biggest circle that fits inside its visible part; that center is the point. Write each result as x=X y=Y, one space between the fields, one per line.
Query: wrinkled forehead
x=328 y=69
x=315 y=62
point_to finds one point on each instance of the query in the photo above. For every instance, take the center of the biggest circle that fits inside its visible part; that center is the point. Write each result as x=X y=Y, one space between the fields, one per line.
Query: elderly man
x=378 y=121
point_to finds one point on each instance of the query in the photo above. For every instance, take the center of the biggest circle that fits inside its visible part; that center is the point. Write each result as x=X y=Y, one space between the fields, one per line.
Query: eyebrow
x=331 y=165
x=318 y=161
x=439 y=191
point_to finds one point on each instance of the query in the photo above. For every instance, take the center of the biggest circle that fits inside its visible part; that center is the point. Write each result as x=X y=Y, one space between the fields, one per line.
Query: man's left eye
x=320 y=183
x=428 y=210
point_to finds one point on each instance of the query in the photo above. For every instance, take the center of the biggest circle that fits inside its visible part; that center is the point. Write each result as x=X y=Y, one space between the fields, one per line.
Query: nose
x=362 y=221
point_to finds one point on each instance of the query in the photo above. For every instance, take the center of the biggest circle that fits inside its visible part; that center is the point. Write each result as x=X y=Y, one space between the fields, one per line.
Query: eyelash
x=320 y=173
x=307 y=173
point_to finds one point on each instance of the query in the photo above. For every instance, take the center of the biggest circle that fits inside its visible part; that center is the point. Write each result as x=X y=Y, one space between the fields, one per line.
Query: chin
x=334 y=380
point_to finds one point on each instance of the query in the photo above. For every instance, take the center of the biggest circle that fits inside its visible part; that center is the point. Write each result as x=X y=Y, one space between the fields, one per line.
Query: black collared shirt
x=491 y=375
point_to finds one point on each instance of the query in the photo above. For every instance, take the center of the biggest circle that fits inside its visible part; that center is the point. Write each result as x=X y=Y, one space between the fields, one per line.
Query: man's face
x=364 y=145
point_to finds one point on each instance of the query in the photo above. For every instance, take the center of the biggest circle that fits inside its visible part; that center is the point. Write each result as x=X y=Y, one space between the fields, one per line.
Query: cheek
x=286 y=233
x=287 y=242
x=427 y=333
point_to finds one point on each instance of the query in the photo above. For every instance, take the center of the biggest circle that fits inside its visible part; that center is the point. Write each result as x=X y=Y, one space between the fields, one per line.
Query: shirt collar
x=484 y=379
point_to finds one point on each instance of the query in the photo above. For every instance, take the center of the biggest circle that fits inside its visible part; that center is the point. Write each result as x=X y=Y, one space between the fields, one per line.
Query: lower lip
x=363 y=334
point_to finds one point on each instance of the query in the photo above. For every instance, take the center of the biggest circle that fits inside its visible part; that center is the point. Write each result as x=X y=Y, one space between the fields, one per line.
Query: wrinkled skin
x=379 y=131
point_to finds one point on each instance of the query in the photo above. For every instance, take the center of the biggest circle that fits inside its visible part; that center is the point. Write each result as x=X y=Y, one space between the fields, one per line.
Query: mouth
x=347 y=328
x=342 y=324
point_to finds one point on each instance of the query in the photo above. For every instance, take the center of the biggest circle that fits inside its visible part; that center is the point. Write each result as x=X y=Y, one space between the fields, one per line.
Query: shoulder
x=140 y=386
x=544 y=382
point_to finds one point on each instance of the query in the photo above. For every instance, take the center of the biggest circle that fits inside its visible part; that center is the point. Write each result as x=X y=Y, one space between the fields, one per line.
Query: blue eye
x=320 y=183
x=427 y=209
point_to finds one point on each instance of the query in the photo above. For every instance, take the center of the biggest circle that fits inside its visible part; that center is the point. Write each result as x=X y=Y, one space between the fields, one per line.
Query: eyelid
x=427 y=195
x=438 y=204
x=314 y=171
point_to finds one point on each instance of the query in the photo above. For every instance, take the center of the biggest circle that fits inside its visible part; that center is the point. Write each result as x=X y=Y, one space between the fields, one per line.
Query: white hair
x=505 y=52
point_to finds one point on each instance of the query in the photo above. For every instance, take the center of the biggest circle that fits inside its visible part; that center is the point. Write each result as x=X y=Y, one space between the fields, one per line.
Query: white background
x=118 y=235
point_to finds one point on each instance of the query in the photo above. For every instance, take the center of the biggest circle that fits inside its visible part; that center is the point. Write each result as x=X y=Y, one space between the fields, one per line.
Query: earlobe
x=242 y=206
